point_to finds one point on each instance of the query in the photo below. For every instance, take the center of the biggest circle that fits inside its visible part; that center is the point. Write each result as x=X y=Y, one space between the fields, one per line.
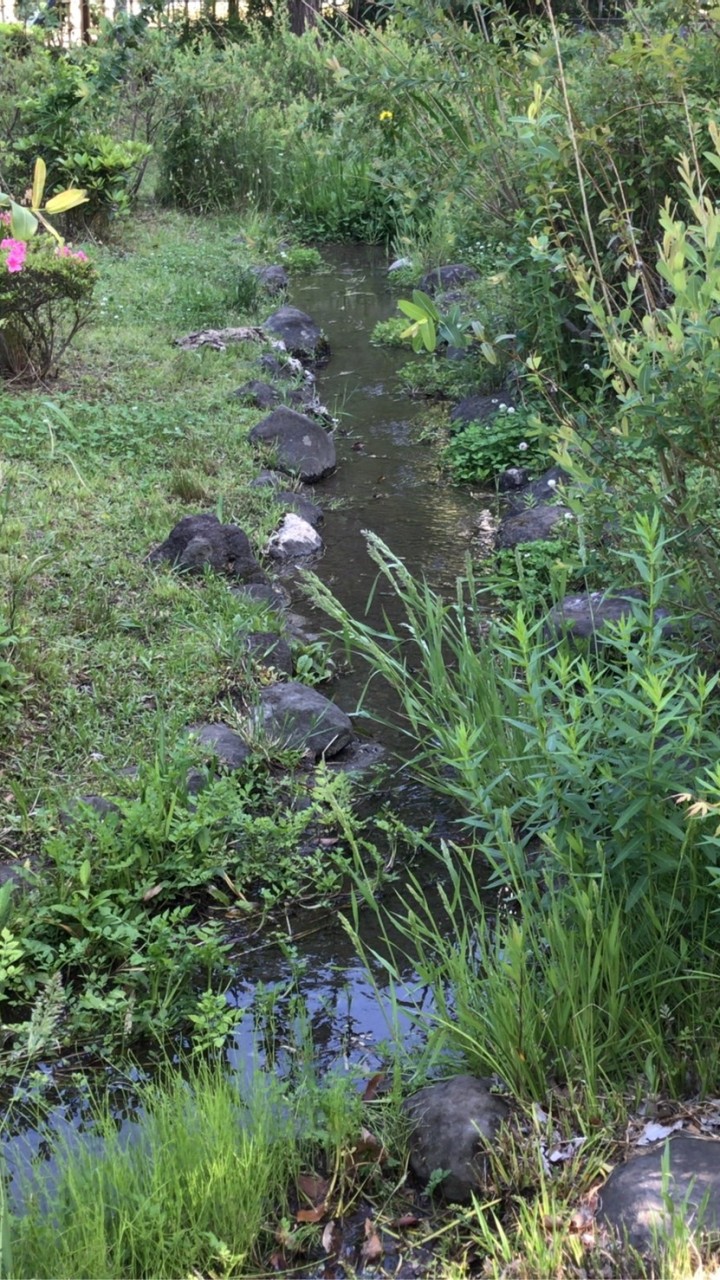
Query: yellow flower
x=386 y=115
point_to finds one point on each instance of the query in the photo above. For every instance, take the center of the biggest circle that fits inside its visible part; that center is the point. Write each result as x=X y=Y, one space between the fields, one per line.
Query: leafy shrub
x=510 y=438
x=104 y=168
x=44 y=301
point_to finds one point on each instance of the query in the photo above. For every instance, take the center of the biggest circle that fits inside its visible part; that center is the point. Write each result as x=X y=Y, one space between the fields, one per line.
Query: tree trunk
x=303 y=15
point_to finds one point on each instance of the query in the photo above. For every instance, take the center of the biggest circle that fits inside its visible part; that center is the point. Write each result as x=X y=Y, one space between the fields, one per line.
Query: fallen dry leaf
x=332 y=1237
x=313 y=1187
x=152 y=893
x=372 y=1250
x=311 y=1215
x=407 y=1220
x=372 y=1086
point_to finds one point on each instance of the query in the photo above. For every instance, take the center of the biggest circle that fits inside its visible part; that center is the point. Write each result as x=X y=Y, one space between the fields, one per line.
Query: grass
x=96 y=470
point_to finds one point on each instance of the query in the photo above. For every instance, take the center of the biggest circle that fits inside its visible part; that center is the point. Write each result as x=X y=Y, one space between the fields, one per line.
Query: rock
x=544 y=490
x=302 y=506
x=285 y=368
x=273 y=279
x=536 y=524
x=267 y=480
x=479 y=408
x=360 y=756
x=269 y=649
x=219 y=740
x=298 y=717
x=442 y=278
x=263 y=593
x=200 y=542
x=633 y=1201
x=302 y=337
x=584 y=616
x=294 y=539
x=262 y=395
x=512 y=479
x=100 y=805
x=304 y=448
x=20 y=874
x=453 y=1121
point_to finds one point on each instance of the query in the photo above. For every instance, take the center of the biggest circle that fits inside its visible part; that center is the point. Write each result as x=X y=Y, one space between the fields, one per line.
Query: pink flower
x=5 y=218
x=16 y=257
x=63 y=251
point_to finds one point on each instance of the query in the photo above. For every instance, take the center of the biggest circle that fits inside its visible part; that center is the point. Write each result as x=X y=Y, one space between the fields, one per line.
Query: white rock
x=295 y=537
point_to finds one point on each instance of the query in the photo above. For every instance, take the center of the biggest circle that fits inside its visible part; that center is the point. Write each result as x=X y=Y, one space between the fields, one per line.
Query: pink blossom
x=5 y=217
x=16 y=257
x=63 y=251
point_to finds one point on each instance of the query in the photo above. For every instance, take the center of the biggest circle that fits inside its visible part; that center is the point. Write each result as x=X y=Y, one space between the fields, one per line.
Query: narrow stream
x=389 y=482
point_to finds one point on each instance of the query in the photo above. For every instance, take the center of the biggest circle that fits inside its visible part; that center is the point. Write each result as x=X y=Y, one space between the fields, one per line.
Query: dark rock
x=219 y=740
x=263 y=593
x=285 y=368
x=294 y=539
x=536 y=524
x=512 y=479
x=543 y=491
x=12 y=870
x=359 y=756
x=479 y=408
x=301 y=505
x=584 y=616
x=296 y=716
x=200 y=542
x=100 y=805
x=453 y=1122
x=634 y=1198
x=262 y=395
x=267 y=480
x=302 y=337
x=442 y=278
x=269 y=649
x=196 y=780
x=303 y=447
x=274 y=279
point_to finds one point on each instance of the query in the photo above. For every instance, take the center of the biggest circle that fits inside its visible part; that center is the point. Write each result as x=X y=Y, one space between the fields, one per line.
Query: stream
x=389 y=482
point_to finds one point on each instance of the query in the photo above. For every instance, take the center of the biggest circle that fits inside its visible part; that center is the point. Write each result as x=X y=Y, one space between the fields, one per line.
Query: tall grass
x=191 y=1192
x=600 y=964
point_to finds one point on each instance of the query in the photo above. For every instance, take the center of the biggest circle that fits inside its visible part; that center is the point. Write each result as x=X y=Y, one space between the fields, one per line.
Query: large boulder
x=453 y=1122
x=640 y=1204
x=298 y=717
x=304 y=448
x=295 y=539
x=536 y=524
x=449 y=277
x=303 y=339
x=201 y=542
x=586 y=615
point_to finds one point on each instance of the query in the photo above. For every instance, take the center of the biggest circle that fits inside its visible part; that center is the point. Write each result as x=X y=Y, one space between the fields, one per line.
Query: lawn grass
x=96 y=469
